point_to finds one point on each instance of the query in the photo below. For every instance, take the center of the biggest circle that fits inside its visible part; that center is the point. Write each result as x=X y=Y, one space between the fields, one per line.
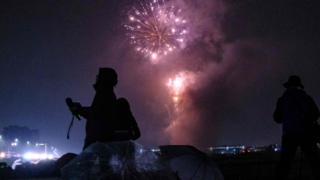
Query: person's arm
x=277 y=115
x=133 y=126
x=135 y=129
x=314 y=110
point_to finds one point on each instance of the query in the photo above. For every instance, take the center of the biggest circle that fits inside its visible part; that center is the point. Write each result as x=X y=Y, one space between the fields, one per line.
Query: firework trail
x=178 y=86
x=156 y=28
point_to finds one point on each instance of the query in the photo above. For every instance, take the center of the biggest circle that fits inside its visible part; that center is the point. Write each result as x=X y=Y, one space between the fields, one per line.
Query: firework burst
x=156 y=28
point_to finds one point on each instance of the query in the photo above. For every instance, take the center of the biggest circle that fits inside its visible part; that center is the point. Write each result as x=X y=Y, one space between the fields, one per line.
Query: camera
x=74 y=107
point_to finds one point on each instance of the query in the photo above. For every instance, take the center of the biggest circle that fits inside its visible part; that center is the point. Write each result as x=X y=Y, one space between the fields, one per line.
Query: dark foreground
x=253 y=166
x=259 y=166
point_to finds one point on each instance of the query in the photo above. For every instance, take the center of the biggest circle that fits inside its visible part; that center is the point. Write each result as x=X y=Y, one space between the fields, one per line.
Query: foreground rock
x=128 y=160
x=190 y=163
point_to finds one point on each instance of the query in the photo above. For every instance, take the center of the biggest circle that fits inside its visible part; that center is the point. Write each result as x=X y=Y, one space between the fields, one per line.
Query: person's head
x=106 y=78
x=294 y=81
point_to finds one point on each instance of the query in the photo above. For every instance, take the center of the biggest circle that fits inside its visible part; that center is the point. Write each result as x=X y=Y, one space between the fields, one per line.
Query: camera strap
x=70 y=125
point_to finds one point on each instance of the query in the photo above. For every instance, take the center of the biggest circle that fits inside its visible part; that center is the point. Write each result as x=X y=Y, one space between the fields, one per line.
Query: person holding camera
x=298 y=114
x=108 y=118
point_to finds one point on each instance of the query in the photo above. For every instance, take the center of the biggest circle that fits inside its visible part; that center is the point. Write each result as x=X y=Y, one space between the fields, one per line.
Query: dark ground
x=260 y=166
x=253 y=166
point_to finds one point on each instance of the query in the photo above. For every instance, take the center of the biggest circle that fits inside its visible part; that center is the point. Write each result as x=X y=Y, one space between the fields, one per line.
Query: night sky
x=241 y=52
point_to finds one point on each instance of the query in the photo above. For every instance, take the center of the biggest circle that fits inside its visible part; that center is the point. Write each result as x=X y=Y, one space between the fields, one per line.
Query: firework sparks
x=155 y=28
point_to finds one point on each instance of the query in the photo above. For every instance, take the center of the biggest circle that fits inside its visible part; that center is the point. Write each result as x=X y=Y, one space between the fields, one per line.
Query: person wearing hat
x=298 y=113
x=108 y=118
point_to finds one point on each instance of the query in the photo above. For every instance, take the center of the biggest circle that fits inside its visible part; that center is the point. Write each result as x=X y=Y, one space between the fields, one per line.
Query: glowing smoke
x=179 y=84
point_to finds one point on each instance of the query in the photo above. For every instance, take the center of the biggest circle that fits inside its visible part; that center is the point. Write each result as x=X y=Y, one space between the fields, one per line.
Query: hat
x=107 y=75
x=293 y=81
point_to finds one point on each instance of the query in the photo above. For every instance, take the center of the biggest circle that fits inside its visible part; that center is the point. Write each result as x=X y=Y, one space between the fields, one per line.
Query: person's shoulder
x=284 y=95
x=302 y=92
x=308 y=96
x=123 y=102
x=305 y=95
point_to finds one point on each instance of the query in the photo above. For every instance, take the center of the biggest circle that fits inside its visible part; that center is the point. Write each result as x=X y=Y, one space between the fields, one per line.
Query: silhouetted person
x=298 y=113
x=108 y=118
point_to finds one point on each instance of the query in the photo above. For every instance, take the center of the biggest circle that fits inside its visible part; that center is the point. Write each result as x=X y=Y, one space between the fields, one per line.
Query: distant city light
x=155 y=150
x=37 y=156
x=40 y=144
x=141 y=150
x=26 y=150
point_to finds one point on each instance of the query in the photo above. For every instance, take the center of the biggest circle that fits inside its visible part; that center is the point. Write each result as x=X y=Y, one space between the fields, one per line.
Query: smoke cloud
x=232 y=75
x=202 y=58
x=238 y=56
